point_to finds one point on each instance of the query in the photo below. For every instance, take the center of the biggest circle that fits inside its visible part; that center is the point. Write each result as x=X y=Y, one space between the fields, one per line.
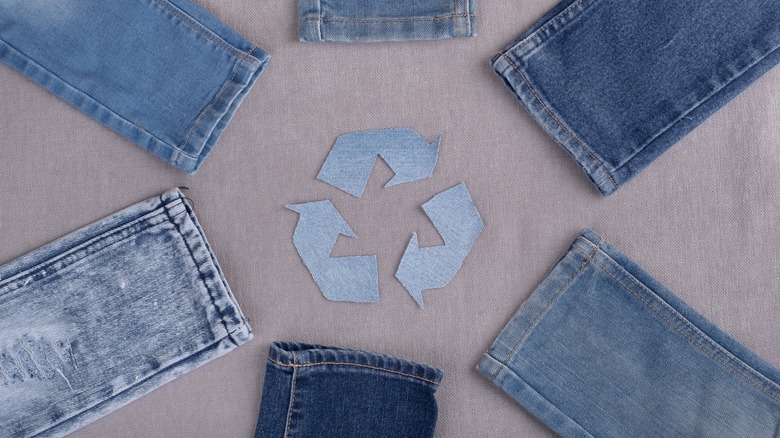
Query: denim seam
x=287 y=426
x=391 y=20
x=555 y=20
x=746 y=368
x=693 y=108
x=504 y=367
x=456 y=22
x=86 y=246
x=543 y=312
x=82 y=92
x=200 y=272
x=306 y=365
x=199 y=27
x=205 y=111
x=555 y=119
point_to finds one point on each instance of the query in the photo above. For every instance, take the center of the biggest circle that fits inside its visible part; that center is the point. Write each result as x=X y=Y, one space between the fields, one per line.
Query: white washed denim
x=106 y=314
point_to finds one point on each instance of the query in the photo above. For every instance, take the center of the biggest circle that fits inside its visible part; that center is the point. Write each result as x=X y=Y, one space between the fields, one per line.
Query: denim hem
x=296 y=355
x=510 y=71
x=317 y=24
x=524 y=394
x=204 y=131
x=593 y=257
x=220 y=328
x=687 y=322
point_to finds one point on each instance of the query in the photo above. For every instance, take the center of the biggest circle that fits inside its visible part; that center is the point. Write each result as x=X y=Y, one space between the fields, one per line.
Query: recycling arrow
x=352 y=158
x=458 y=222
x=339 y=278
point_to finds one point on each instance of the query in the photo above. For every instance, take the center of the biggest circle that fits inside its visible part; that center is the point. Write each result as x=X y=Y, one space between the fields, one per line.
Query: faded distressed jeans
x=106 y=314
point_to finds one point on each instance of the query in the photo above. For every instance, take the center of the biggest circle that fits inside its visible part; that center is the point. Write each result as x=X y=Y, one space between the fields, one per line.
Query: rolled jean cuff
x=286 y=354
x=601 y=348
x=108 y=313
x=166 y=74
x=359 y=21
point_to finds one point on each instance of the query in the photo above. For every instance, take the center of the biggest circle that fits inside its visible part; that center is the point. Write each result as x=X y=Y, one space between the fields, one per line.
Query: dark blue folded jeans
x=108 y=313
x=618 y=82
x=312 y=391
x=602 y=349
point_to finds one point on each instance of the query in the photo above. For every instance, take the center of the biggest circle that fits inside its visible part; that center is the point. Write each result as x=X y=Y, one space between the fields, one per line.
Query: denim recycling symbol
x=348 y=168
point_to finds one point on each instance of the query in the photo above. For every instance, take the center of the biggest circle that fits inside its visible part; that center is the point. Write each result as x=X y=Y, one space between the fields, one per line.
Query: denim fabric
x=315 y=391
x=618 y=82
x=108 y=313
x=360 y=21
x=603 y=349
x=166 y=74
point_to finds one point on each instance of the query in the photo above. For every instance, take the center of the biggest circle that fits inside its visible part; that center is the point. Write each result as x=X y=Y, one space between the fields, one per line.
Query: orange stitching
x=686 y=336
x=389 y=20
x=544 y=311
x=292 y=403
x=303 y=365
x=522 y=76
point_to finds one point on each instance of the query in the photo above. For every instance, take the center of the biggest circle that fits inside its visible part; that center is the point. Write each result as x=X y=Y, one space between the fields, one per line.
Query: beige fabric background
x=703 y=219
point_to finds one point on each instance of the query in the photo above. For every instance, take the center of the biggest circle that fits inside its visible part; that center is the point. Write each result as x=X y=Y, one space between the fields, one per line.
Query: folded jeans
x=602 y=349
x=108 y=313
x=318 y=391
x=618 y=82
x=166 y=74
x=359 y=21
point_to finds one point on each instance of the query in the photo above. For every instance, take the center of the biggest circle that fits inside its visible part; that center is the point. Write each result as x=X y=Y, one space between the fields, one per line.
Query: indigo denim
x=602 y=349
x=106 y=314
x=618 y=82
x=312 y=391
x=361 y=21
x=166 y=74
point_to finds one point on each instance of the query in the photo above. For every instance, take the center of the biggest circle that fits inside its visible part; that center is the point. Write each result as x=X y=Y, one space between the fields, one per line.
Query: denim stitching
x=101 y=104
x=200 y=272
x=304 y=365
x=456 y=22
x=543 y=312
x=86 y=246
x=555 y=119
x=537 y=393
x=555 y=20
x=213 y=102
x=693 y=341
x=292 y=399
x=390 y=20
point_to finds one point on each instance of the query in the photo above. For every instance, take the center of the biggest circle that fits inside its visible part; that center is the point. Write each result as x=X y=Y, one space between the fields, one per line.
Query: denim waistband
x=286 y=354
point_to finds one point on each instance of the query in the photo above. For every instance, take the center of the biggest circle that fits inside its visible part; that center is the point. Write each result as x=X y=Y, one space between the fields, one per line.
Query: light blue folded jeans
x=602 y=349
x=166 y=74
x=618 y=82
x=361 y=21
x=108 y=313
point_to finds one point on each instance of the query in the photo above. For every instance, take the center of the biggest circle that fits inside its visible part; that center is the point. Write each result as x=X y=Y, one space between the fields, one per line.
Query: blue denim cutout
x=458 y=222
x=339 y=278
x=352 y=158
